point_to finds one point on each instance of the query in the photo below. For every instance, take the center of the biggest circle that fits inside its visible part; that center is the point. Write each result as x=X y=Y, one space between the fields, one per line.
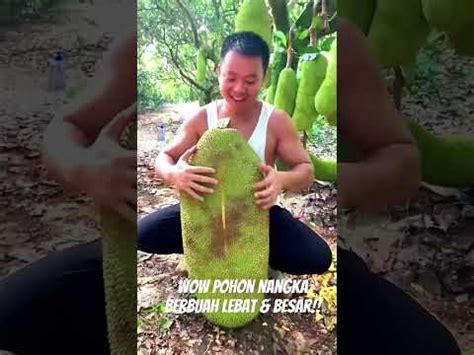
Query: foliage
x=173 y=32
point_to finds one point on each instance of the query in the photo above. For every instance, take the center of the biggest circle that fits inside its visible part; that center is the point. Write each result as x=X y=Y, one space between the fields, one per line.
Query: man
x=294 y=248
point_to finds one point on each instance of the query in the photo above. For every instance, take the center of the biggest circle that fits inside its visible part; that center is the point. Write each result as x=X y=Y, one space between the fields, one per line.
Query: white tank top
x=258 y=139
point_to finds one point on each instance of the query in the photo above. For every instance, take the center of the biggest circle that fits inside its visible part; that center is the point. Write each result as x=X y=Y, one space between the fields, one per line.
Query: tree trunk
x=280 y=15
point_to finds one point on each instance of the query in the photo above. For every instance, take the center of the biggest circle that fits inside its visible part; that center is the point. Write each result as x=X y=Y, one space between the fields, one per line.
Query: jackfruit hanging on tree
x=325 y=100
x=201 y=66
x=227 y=235
x=324 y=169
x=311 y=75
x=287 y=86
x=276 y=66
x=445 y=160
x=398 y=31
x=253 y=16
x=119 y=251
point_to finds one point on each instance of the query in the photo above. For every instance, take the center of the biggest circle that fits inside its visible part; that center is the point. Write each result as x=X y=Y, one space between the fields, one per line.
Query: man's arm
x=172 y=166
x=390 y=169
x=290 y=150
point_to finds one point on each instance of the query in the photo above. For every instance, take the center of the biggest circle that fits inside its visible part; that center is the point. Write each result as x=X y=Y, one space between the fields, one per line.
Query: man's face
x=240 y=80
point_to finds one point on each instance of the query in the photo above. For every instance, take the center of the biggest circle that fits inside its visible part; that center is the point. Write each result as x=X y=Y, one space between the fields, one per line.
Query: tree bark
x=280 y=15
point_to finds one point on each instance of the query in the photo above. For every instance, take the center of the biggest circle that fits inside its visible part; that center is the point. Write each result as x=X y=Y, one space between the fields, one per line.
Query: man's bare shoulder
x=280 y=122
x=197 y=121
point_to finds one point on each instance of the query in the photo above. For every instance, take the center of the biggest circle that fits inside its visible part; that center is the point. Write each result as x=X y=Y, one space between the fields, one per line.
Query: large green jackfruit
x=201 y=66
x=119 y=250
x=325 y=100
x=324 y=169
x=445 y=160
x=285 y=95
x=227 y=235
x=311 y=76
x=359 y=12
x=253 y=16
x=397 y=32
x=277 y=65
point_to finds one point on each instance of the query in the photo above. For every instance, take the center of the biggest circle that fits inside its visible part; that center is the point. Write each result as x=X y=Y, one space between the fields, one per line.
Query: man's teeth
x=238 y=98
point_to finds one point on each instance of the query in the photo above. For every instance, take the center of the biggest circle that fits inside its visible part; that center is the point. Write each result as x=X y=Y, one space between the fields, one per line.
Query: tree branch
x=175 y=61
x=197 y=42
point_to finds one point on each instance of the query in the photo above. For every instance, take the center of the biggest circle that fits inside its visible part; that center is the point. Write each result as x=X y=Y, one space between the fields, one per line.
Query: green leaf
x=303 y=34
x=324 y=43
x=279 y=38
x=164 y=323
x=159 y=308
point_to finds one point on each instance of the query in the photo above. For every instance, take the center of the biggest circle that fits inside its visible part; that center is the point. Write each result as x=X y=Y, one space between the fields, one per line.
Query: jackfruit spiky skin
x=227 y=235
x=119 y=251
x=325 y=100
x=445 y=160
x=397 y=32
x=324 y=169
x=285 y=95
x=311 y=76
x=253 y=16
x=359 y=12
x=201 y=66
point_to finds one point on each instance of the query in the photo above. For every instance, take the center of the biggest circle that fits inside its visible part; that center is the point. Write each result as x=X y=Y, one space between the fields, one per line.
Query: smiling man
x=294 y=247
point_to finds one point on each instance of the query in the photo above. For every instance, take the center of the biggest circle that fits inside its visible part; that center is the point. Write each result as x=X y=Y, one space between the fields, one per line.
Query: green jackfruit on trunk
x=285 y=95
x=227 y=235
x=445 y=160
x=201 y=66
x=119 y=250
x=324 y=169
x=253 y=16
x=277 y=65
x=325 y=100
x=398 y=31
x=311 y=76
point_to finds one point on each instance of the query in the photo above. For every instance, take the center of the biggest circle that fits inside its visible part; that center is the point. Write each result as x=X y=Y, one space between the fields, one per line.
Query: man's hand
x=269 y=188
x=189 y=179
x=108 y=171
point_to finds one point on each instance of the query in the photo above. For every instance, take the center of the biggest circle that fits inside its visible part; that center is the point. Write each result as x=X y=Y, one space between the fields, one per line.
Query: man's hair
x=248 y=44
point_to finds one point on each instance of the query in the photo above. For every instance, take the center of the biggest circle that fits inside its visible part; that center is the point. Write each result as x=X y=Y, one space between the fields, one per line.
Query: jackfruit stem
x=223 y=209
x=223 y=220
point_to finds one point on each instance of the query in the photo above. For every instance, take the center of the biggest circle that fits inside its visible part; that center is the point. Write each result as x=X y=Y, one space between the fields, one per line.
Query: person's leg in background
x=376 y=317
x=56 y=305
x=160 y=232
x=294 y=247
